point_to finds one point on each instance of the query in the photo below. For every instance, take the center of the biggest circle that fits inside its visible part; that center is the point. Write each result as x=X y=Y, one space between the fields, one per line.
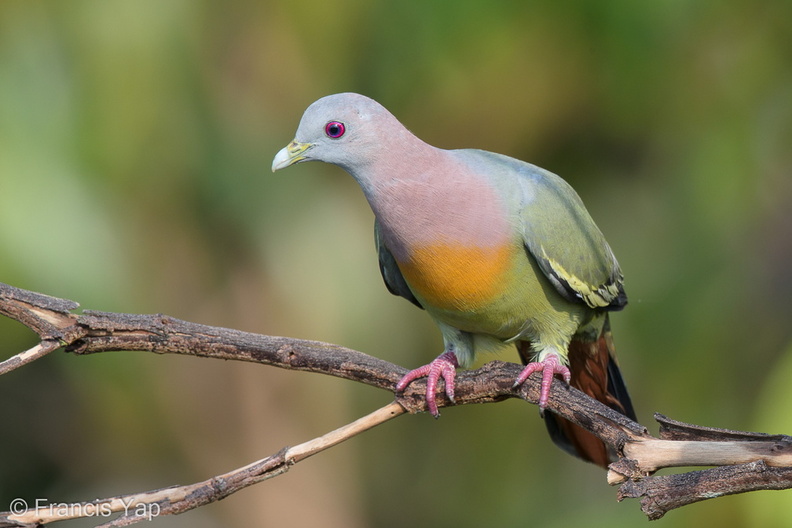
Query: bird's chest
x=455 y=277
x=454 y=244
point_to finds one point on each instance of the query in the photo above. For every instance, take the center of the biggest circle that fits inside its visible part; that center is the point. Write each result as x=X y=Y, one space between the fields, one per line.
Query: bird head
x=343 y=129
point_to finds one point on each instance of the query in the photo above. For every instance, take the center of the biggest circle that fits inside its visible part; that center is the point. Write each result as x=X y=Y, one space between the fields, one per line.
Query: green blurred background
x=135 y=146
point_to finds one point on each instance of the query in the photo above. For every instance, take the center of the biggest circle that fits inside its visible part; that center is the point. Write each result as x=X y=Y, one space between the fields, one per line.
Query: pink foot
x=549 y=366
x=444 y=365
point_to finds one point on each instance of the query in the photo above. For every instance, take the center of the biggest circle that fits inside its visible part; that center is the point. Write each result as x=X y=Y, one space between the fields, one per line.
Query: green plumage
x=496 y=250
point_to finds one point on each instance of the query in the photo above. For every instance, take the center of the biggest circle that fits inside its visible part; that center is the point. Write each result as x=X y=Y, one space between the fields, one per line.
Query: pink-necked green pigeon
x=495 y=250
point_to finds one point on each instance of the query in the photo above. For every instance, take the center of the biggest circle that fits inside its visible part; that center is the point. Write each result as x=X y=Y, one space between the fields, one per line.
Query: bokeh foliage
x=135 y=145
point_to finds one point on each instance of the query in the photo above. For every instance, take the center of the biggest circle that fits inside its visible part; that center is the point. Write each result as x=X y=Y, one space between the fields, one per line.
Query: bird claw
x=549 y=367
x=444 y=366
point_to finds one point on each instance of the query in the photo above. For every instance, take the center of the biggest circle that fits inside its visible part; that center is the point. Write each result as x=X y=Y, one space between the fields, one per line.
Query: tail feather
x=596 y=373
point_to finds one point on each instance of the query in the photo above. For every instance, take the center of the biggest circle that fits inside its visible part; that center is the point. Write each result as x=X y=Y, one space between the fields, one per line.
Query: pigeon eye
x=335 y=129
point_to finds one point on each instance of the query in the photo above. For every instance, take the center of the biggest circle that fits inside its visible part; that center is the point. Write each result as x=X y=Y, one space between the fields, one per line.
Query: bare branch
x=661 y=494
x=32 y=354
x=655 y=454
x=41 y=313
x=750 y=461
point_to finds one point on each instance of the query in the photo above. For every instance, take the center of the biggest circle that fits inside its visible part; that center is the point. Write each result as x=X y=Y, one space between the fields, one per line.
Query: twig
x=32 y=354
x=179 y=499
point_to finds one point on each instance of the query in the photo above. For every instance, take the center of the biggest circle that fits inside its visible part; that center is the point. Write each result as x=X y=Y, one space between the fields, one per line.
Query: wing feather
x=391 y=274
x=557 y=231
x=566 y=243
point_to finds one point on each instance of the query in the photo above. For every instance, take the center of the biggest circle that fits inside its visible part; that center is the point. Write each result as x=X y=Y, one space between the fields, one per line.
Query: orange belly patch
x=457 y=277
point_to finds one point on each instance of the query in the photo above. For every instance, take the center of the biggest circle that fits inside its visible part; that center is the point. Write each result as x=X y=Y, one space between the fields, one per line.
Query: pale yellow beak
x=290 y=154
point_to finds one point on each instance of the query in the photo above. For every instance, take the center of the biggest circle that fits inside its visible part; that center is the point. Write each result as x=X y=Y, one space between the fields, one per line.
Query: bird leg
x=444 y=366
x=549 y=366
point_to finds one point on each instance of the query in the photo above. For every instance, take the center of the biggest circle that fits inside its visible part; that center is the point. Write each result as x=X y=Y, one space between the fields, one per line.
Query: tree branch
x=750 y=461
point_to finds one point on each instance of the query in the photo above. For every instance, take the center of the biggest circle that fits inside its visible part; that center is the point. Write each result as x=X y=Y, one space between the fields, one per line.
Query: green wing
x=390 y=271
x=556 y=230
x=566 y=243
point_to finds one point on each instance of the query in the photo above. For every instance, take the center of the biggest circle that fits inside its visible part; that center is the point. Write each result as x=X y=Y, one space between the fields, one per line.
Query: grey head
x=347 y=129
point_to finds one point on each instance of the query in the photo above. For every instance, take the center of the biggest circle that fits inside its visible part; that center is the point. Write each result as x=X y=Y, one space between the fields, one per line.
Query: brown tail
x=594 y=372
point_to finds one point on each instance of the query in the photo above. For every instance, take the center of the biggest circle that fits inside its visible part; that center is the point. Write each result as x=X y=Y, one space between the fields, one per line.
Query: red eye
x=335 y=129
